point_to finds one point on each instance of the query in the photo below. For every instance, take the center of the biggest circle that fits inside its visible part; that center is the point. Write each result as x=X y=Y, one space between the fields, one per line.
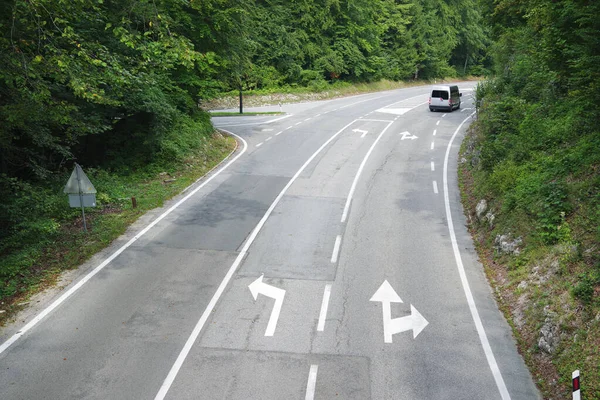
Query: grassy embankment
x=537 y=164
x=57 y=242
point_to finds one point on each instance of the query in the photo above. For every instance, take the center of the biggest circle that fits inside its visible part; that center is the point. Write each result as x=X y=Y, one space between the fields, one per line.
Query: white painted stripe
x=437 y=123
x=336 y=249
x=375 y=120
x=269 y=138
x=318 y=115
x=298 y=123
x=289 y=127
x=307 y=119
x=360 y=169
x=434 y=132
x=364 y=134
x=432 y=166
x=432 y=145
x=213 y=301
x=114 y=255
x=435 y=187
x=324 y=306
x=253 y=123
x=259 y=144
x=312 y=382
x=444 y=115
x=489 y=354
x=278 y=133
x=267 y=130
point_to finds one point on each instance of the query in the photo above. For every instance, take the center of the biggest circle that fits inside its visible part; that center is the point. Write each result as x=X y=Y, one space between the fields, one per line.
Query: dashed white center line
x=432 y=166
x=278 y=133
x=437 y=123
x=444 y=115
x=432 y=145
x=434 y=132
x=307 y=119
x=324 y=306
x=267 y=130
x=435 y=188
x=336 y=249
x=289 y=127
x=318 y=115
x=260 y=144
x=298 y=123
x=269 y=138
x=312 y=382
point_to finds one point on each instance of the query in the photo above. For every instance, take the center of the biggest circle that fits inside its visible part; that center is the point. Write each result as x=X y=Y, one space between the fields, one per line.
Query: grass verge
x=539 y=289
x=40 y=263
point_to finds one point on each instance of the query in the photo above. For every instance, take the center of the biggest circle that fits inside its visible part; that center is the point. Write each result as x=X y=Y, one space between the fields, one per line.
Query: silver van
x=444 y=98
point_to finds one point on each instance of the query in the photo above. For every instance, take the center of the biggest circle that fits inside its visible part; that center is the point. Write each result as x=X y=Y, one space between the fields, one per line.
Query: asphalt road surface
x=326 y=259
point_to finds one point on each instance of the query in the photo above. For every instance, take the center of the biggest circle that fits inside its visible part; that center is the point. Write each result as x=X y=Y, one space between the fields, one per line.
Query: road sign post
x=81 y=192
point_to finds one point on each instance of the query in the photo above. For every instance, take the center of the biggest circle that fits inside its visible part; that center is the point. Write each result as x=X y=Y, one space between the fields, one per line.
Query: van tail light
x=449 y=102
x=430 y=100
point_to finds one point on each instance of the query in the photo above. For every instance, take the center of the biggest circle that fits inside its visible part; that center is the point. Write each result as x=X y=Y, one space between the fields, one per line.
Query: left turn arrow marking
x=259 y=287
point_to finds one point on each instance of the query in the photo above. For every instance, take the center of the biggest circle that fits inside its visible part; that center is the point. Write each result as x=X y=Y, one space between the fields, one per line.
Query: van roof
x=443 y=87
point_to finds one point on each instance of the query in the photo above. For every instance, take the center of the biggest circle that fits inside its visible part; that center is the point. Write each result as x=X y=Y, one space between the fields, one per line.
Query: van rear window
x=440 y=93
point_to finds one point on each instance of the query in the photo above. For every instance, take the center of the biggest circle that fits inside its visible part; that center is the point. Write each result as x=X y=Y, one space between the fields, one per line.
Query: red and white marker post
x=576 y=389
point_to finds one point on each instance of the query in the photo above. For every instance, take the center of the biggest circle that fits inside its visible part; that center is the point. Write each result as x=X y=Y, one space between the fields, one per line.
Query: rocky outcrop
x=506 y=245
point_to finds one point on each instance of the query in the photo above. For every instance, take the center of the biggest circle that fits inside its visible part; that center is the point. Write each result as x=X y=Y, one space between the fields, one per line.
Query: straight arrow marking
x=259 y=287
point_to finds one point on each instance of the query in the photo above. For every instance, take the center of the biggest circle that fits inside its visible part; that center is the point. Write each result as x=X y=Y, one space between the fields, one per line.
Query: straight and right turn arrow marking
x=386 y=295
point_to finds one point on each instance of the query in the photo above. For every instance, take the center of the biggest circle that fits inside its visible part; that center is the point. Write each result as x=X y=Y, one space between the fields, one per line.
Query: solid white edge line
x=435 y=187
x=311 y=384
x=324 y=307
x=489 y=354
x=213 y=301
x=360 y=169
x=114 y=255
x=336 y=248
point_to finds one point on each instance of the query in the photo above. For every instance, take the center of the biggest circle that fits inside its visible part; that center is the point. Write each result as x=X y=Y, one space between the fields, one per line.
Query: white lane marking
x=324 y=306
x=312 y=382
x=278 y=133
x=269 y=138
x=444 y=115
x=432 y=166
x=360 y=169
x=259 y=287
x=434 y=132
x=289 y=127
x=489 y=354
x=437 y=123
x=242 y=254
x=298 y=123
x=114 y=255
x=432 y=145
x=435 y=187
x=267 y=130
x=259 y=144
x=375 y=120
x=364 y=134
x=307 y=119
x=254 y=123
x=336 y=249
x=318 y=115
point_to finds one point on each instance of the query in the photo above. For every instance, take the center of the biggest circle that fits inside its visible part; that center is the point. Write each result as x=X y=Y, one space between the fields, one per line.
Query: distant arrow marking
x=415 y=322
x=258 y=286
x=406 y=135
x=364 y=133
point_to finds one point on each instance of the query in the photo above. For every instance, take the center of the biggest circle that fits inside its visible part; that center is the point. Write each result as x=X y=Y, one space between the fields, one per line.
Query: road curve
x=330 y=259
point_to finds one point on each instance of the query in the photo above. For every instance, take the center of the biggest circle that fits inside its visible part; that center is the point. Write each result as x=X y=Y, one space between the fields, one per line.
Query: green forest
x=119 y=86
